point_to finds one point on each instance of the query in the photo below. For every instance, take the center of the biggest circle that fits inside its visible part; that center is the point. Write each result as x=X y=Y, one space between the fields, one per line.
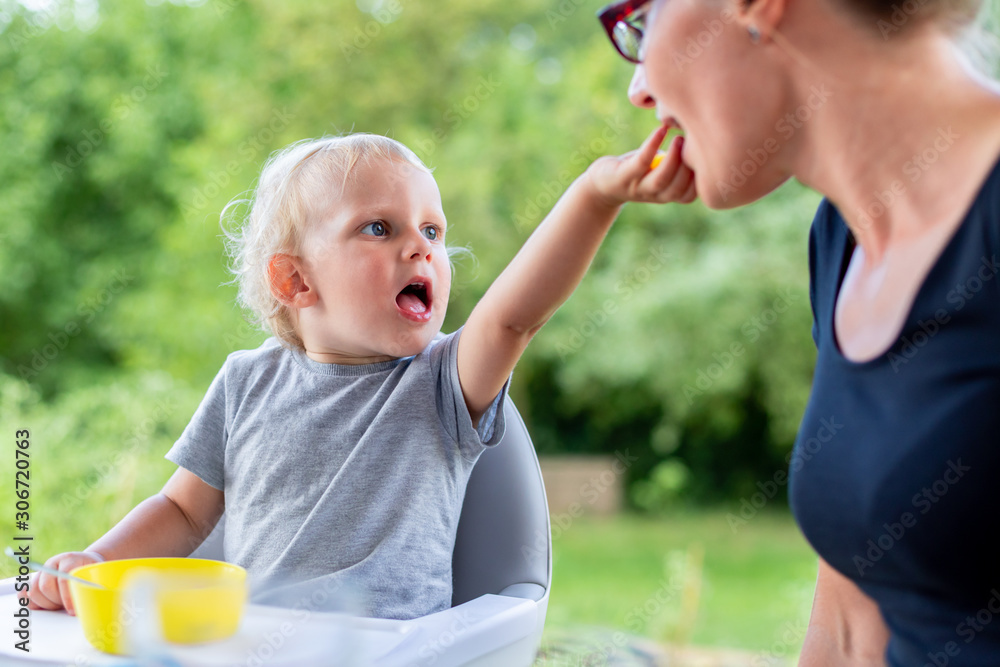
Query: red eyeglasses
x=625 y=23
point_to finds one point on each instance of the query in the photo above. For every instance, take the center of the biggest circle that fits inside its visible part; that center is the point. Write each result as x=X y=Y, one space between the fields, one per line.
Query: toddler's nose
x=418 y=247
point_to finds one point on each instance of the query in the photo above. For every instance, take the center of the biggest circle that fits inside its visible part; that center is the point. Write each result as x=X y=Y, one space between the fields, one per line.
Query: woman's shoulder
x=828 y=227
x=829 y=240
x=987 y=205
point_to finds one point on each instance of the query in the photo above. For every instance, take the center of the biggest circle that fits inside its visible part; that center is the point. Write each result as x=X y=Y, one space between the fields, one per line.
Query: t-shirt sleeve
x=201 y=448
x=454 y=412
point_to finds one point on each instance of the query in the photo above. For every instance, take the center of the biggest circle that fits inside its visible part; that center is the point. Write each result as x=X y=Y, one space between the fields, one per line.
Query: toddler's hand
x=51 y=593
x=629 y=177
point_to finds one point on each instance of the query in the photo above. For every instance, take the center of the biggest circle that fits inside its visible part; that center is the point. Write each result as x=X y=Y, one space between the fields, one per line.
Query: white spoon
x=55 y=573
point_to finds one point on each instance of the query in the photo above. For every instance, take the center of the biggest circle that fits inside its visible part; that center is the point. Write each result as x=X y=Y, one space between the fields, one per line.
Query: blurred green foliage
x=126 y=128
x=687 y=578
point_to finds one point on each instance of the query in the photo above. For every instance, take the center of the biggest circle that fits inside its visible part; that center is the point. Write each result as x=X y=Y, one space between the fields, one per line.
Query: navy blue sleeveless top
x=895 y=474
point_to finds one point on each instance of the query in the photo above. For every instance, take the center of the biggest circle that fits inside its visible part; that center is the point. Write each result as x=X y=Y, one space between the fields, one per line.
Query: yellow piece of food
x=656 y=161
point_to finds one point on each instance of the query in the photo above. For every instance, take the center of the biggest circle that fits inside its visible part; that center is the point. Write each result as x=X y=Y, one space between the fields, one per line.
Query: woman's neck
x=900 y=146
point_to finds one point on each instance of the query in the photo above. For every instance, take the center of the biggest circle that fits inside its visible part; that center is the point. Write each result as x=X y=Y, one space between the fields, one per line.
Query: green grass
x=752 y=590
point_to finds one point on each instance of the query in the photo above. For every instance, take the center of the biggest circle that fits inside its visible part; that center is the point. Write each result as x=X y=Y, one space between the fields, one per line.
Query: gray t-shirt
x=338 y=474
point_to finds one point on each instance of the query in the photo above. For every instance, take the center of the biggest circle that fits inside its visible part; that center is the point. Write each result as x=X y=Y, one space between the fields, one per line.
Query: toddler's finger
x=691 y=193
x=42 y=594
x=647 y=151
x=669 y=164
x=682 y=185
x=66 y=598
x=673 y=181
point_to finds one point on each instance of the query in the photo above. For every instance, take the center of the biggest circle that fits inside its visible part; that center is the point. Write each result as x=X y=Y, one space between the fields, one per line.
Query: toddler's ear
x=288 y=283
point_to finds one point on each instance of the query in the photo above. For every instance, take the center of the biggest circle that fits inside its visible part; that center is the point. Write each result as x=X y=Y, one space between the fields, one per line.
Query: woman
x=871 y=104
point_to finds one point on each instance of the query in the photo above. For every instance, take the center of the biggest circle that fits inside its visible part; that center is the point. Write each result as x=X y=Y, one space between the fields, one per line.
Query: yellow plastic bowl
x=198 y=600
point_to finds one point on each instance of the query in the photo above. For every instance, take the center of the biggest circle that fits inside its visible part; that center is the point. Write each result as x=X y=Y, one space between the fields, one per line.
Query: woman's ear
x=761 y=18
x=289 y=284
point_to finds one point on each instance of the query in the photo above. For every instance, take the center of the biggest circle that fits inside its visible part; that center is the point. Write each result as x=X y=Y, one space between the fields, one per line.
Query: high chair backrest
x=503 y=542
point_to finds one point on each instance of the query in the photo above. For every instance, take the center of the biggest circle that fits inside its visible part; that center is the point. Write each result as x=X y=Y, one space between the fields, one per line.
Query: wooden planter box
x=578 y=485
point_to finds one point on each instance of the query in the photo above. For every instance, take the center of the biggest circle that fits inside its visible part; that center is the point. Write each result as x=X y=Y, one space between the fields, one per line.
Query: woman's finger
x=671 y=163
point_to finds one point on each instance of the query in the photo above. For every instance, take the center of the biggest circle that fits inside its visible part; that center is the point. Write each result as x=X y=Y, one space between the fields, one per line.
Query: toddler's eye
x=376 y=228
x=431 y=233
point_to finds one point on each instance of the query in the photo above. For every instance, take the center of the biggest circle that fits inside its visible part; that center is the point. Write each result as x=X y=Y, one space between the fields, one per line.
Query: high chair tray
x=275 y=637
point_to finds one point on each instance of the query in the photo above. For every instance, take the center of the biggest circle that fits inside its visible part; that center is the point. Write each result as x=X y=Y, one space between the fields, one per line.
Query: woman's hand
x=48 y=592
x=629 y=177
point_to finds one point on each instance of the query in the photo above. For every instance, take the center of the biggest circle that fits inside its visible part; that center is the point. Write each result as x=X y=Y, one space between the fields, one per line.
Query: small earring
x=754 y=34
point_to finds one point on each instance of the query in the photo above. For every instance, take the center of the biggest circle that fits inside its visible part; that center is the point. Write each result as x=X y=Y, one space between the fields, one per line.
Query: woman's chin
x=716 y=193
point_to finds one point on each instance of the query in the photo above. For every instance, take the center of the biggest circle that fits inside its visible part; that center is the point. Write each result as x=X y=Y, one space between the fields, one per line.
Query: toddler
x=340 y=448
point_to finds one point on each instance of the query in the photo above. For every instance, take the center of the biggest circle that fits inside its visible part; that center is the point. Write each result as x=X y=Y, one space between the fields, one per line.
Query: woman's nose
x=638 y=94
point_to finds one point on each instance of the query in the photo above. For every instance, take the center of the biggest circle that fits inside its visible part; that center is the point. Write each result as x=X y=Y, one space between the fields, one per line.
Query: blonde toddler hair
x=294 y=189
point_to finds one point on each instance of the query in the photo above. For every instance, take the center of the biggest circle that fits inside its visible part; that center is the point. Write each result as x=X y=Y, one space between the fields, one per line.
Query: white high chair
x=502 y=567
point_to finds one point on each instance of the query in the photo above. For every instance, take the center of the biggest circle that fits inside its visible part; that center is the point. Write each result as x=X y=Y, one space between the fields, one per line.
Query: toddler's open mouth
x=414 y=301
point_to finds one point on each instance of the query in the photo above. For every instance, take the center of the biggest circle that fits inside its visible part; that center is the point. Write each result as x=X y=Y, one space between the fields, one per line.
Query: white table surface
x=276 y=637
x=272 y=635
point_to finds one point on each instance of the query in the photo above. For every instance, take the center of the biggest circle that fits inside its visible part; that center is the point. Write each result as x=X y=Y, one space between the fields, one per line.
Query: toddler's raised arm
x=555 y=258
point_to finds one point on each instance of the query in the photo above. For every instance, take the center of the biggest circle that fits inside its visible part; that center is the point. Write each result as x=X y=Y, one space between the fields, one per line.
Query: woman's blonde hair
x=293 y=189
x=971 y=22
